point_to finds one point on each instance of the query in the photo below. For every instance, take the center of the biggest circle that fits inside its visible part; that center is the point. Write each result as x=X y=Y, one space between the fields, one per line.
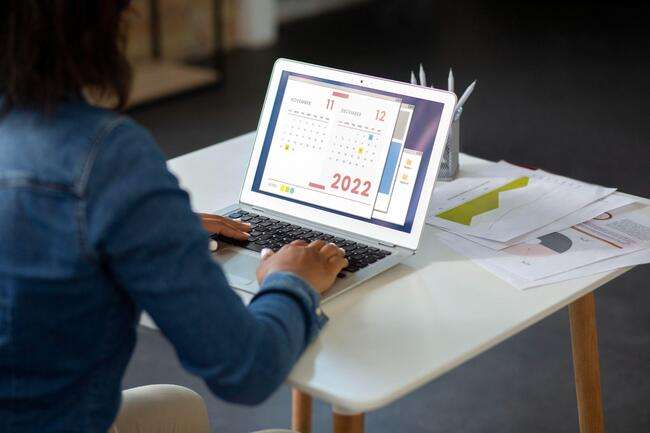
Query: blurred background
x=561 y=85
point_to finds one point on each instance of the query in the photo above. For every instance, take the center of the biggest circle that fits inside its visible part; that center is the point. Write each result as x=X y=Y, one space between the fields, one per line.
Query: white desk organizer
x=449 y=163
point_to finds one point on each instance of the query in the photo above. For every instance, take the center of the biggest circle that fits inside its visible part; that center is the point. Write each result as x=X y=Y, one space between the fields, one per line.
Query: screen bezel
x=331 y=219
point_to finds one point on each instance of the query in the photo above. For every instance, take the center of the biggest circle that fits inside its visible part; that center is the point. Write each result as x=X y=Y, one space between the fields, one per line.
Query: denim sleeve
x=141 y=228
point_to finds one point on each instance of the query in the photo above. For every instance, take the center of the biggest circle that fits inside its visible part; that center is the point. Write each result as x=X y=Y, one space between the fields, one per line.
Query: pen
x=458 y=113
x=413 y=79
x=423 y=76
x=450 y=81
x=466 y=94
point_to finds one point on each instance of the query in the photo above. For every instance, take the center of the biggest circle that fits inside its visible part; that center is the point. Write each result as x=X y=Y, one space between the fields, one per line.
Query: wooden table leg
x=586 y=366
x=347 y=423
x=301 y=412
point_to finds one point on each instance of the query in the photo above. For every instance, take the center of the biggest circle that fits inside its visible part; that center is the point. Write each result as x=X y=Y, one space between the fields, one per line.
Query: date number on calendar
x=354 y=185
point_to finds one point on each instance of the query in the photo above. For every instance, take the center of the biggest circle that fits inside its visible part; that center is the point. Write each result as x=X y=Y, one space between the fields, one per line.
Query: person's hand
x=318 y=263
x=225 y=226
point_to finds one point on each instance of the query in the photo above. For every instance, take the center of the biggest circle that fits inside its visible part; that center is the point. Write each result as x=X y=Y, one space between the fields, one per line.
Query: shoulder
x=101 y=130
x=62 y=147
x=118 y=144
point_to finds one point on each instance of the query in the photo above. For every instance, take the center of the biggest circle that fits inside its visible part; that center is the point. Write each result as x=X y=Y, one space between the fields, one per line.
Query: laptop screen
x=348 y=149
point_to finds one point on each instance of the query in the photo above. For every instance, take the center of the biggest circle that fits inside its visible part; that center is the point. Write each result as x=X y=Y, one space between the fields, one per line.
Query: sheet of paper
x=588 y=212
x=633 y=259
x=502 y=202
x=614 y=233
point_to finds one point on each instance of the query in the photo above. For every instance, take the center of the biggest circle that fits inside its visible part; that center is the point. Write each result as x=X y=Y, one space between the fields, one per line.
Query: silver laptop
x=343 y=157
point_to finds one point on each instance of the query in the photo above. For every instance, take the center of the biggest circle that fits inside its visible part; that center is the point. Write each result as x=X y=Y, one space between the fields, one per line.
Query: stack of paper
x=532 y=228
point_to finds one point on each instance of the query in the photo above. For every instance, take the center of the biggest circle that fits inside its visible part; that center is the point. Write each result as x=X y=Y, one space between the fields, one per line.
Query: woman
x=94 y=229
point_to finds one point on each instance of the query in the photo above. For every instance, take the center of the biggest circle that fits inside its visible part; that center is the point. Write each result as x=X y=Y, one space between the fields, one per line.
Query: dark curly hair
x=52 y=50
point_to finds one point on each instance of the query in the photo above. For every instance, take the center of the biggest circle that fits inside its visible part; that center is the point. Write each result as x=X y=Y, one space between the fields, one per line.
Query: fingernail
x=265 y=252
x=342 y=250
x=213 y=245
x=247 y=224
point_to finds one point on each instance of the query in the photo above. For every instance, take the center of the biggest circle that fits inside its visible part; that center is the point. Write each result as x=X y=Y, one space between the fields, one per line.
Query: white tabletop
x=404 y=327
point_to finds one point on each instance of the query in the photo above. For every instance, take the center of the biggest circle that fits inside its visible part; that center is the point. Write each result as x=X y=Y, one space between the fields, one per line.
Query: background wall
x=562 y=85
x=186 y=25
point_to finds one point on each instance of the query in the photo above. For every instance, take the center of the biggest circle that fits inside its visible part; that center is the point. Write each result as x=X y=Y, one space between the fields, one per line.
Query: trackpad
x=239 y=265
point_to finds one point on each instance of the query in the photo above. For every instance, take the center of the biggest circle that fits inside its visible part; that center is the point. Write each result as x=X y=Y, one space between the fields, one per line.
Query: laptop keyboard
x=269 y=233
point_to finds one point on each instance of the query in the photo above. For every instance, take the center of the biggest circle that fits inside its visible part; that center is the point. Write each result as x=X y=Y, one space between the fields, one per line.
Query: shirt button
x=319 y=312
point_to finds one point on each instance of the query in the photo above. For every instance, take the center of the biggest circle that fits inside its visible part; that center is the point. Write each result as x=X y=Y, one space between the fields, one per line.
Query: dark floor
x=560 y=87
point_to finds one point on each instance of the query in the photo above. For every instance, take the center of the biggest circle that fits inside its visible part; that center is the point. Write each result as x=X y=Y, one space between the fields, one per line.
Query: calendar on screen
x=348 y=149
x=331 y=145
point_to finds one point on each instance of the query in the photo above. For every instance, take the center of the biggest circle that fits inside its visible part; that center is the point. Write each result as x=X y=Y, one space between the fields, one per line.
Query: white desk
x=412 y=323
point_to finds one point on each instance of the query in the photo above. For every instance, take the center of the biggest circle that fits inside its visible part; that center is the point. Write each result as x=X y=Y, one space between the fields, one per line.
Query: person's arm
x=141 y=228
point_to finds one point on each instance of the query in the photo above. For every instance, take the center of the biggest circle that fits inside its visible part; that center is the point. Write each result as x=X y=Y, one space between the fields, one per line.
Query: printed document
x=502 y=202
x=612 y=234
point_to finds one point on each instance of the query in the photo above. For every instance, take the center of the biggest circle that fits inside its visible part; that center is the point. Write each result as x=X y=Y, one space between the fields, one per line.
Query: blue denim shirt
x=94 y=229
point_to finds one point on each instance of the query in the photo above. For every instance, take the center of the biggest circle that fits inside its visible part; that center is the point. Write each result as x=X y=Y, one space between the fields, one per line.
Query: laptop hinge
x=386 y=245
x=257 y=209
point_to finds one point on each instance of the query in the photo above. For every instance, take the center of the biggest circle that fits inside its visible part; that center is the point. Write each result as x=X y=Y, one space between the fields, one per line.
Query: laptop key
x=254 y=246
x=358 y=263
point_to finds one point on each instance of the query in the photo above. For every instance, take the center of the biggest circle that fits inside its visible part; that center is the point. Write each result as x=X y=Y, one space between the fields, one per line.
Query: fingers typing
x=331 y=250
x=230 y=232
